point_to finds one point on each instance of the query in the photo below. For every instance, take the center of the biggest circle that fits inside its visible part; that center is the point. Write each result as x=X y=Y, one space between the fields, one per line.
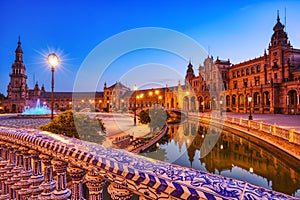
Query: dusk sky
x=238 y=30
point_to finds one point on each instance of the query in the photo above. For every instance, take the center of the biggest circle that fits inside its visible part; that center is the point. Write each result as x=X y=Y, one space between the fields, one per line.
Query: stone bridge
x=34 y=165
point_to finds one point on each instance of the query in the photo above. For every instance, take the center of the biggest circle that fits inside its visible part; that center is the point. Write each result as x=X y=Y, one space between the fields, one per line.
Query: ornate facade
x=271 y=80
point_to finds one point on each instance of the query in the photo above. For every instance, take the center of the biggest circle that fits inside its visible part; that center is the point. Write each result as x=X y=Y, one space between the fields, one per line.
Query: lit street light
x=53 y=61
x=249 y=100
x=134 y=111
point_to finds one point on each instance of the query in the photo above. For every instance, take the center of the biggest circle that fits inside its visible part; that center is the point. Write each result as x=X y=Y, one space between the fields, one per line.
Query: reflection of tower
x=17 y=89
x=191 y=153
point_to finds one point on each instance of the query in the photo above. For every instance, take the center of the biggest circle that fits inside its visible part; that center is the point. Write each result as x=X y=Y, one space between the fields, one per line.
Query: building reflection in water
x=233 y=156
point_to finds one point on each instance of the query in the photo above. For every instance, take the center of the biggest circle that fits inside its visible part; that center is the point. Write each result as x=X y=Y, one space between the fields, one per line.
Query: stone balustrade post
x=274 y=129
x=95 y=185
x=260 y=125
x=15 y=172
x=6 y=173
x=24 y=183
x=249 y=124
x=61 y=191
x=291 y=138
x=76 y=174
x=48 y=184
x=117 y=192
x=37 y=177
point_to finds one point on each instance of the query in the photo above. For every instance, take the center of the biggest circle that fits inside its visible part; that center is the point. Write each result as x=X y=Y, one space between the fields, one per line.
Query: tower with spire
x=279 y=43
x=189 y=73
x=17 y=89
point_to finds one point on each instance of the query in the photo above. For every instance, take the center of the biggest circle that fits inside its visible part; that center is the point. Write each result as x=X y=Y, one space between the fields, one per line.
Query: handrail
x=289 y=135
x=127 y=172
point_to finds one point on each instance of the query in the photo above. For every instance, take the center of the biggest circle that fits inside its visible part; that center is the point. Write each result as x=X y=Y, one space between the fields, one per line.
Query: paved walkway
x=284 y=121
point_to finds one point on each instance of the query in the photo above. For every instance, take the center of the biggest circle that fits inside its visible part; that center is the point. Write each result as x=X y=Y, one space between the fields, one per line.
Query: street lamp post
x=134 y=111
x=249 y=100
x=53 y=61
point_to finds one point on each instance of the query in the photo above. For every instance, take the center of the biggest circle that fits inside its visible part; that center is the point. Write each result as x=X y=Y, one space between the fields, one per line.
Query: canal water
x=214 y=150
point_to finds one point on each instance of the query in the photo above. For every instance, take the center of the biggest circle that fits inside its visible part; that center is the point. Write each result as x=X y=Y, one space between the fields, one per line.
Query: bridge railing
x=152 y=141
x=30 y=158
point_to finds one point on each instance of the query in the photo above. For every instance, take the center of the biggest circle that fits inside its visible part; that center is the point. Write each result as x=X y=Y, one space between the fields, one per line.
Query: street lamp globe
x=53 y=60
x=249 y=99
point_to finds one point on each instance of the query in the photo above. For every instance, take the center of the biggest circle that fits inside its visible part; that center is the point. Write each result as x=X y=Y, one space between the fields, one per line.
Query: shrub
x=144 y=117
x=86 y=128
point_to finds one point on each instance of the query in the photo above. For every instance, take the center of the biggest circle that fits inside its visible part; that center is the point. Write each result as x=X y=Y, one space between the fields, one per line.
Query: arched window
x=227 y=100
x=266 y=98
x=241 y=100
x=258 y=68
x=247 y=71
x=233 y=99
x=292 y=97
x=256 y=99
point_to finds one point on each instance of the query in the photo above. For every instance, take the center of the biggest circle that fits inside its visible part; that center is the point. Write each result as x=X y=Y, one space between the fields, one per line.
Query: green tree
x=144 y=117
x=78 y=126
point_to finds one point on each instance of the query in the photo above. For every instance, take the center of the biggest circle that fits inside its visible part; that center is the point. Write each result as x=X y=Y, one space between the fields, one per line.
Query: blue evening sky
x=239 y=30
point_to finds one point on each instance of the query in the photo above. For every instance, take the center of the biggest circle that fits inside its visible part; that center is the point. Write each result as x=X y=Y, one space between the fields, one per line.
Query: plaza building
x=267 y=84
x=272 y=81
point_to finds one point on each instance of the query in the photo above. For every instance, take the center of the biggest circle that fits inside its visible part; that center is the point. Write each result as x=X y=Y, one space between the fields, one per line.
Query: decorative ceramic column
x=37 y=177
x=6 y=173
x=17 y=177
x=25 y=174
x=4 y=160
x=4 y=154
x=95 y=185
x=61 y=191
x=48 y=184
x=117 y=192
x=16 y=172
x=76 y=174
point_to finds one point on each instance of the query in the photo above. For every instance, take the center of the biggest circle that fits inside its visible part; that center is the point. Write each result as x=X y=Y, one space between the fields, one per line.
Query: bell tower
x=17 y=89
x=189 y=74
x=279 y=43
x=279 y=48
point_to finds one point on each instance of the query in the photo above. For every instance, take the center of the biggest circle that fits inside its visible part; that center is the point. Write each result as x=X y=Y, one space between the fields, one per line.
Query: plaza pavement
x=283 y=121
